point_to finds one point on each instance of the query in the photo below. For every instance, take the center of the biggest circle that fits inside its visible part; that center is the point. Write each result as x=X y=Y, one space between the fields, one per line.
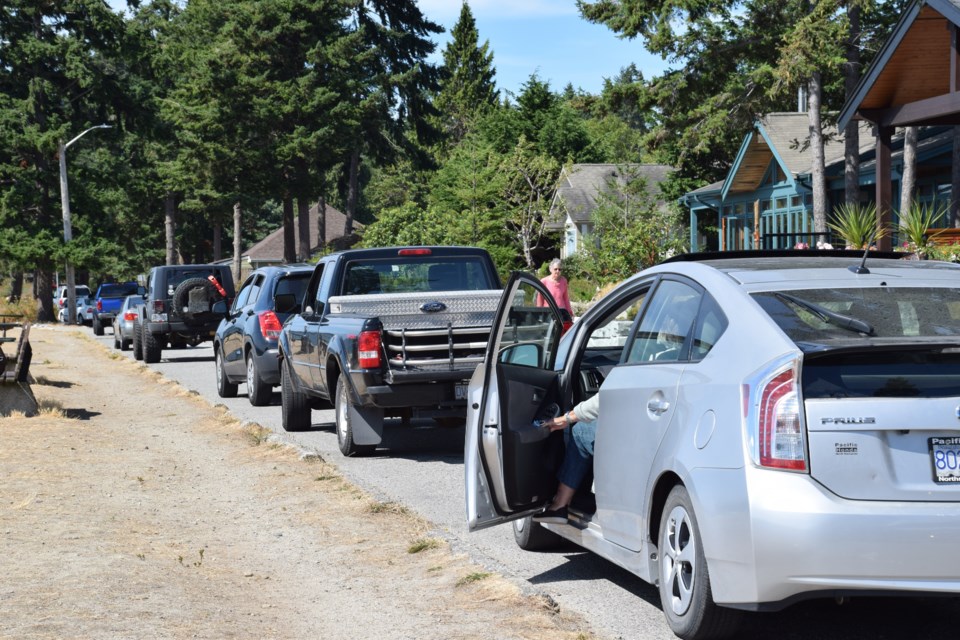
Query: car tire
x=225 y=388
x=137 y=343
x=97 y=326
x=294 y=404
x=533 y=536
x=344 y=418
x=116 y=341
x=152 y=348
x=685 y=594
x=124 y=344
x=258 y=392
x=181 y=298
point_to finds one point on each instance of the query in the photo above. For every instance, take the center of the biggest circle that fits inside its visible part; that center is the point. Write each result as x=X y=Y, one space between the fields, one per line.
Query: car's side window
x=666 y=325
x=711 y=323
x=255 y=288
x=244 y=294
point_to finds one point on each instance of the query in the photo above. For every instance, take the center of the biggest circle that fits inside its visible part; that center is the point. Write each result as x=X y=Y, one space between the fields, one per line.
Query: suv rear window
x=818 y=316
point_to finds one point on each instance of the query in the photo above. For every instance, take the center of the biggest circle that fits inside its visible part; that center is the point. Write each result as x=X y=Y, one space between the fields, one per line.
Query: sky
x=546 y=37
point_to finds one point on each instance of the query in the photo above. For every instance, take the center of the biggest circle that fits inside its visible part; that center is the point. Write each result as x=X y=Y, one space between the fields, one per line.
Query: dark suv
x=246 y=341
x=183 y=306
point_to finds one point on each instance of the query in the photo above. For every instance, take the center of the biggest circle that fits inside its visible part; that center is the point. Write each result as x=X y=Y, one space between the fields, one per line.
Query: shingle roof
x=580 y=186
x=270 y=249
x=786 y=130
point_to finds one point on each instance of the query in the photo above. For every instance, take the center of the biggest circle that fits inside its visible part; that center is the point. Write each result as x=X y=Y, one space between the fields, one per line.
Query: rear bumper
x=419 y=391
x=167 y=328
x=786 y=537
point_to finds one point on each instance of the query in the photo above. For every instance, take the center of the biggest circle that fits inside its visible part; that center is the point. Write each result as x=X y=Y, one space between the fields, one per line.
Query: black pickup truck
x=388 y=332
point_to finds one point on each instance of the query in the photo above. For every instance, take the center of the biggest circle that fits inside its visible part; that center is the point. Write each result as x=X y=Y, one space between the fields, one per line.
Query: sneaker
x=552 y=516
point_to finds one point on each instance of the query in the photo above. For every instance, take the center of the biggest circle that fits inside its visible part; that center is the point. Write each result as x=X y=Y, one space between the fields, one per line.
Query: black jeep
x=183 y=306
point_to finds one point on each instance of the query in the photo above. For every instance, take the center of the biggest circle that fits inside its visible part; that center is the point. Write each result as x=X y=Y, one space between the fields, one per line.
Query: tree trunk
x=43 y=280
x=851 y=135
x=908 y=181
x=289 y=239
x=16 y=286
x=303 y=228
x=353 y=187
x=169 y=225
x=955 y=180
x=322 y=223
x=237 y=240
x=217 y=241
x=820 y=203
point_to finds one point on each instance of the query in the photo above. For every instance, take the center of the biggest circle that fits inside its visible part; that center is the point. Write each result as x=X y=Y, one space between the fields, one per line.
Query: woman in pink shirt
x=556 y=284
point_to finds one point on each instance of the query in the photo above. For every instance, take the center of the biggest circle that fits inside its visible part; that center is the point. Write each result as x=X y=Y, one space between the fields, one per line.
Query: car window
x=295 y=283
x=711 y=323
x=244 y=294
x=812 y=316
x=255 y=287
x=410 y=274
x=530 y=335
x=119 y=290
x=666 y=324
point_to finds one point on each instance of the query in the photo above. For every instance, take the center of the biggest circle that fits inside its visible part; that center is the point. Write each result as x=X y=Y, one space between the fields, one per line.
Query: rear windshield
x=408 y=274
x=118 y=290
x=819 y=316
x=295 y=283
x=880 y=373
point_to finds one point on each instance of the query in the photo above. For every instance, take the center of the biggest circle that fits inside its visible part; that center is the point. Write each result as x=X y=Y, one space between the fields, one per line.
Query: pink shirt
x=558 y=289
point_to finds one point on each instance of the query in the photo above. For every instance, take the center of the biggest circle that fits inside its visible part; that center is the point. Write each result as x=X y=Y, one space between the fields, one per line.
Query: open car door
x=510 y=461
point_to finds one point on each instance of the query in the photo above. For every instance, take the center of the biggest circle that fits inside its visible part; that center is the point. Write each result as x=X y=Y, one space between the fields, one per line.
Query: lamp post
x=67 y=226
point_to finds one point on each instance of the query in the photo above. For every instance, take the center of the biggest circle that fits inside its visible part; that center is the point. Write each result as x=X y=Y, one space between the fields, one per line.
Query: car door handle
x=658 y=406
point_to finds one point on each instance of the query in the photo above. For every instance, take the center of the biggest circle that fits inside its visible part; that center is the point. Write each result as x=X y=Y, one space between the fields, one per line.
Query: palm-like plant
x=915 y=225
x=858 y=225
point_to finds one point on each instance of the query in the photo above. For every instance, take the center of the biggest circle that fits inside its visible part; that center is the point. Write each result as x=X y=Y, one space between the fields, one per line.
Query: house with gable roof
x=583 y=185
x=766 y=201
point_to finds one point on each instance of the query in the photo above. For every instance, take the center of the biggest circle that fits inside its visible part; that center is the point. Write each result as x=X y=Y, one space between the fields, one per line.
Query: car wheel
x=97 y=326
x=116 y=341
x=225 y=388
x=685 y=593
x=258 y=392
x=294 y=404
x=124 y=344
x=137 y=344
x=152 y=348
x=533 y=536
x=345 y=419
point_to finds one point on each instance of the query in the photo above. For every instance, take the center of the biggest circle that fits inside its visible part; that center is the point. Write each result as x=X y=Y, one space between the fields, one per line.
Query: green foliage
x=916 y=222
x=857 y=225
x=632 y=230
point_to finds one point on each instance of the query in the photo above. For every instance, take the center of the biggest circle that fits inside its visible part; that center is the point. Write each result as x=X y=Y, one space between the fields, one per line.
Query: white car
x=85 y=310
x=771 y=429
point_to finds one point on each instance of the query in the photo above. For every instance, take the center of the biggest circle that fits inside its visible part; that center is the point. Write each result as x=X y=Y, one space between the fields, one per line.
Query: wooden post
x=884 y=180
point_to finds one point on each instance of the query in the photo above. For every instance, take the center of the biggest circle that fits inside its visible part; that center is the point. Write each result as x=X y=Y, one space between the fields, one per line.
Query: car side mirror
x=285 y=303
x=220 y=307
x=141 y=291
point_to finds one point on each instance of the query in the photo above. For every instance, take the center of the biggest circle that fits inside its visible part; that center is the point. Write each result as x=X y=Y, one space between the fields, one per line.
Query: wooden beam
x=884 y=180
x=954 y=66
x=919 y=112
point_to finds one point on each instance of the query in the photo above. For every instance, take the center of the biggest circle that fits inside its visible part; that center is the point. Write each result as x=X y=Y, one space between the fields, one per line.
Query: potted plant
x=857 y=225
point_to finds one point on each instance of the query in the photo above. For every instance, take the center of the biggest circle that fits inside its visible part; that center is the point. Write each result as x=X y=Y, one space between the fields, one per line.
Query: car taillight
x=775 y=425
x=130 y=316
x=415 y=252
x=368 y=350
x=269 y=325
x=100 y=306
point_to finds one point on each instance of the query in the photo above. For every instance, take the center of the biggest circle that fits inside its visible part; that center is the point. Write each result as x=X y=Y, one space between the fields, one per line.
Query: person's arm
x=586 y=411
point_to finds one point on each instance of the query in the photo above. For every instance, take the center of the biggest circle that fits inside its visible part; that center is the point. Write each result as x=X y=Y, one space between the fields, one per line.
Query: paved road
x=421 y=466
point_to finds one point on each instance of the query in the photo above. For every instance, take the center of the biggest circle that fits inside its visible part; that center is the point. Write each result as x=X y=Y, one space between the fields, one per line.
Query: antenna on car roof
x=861 y=269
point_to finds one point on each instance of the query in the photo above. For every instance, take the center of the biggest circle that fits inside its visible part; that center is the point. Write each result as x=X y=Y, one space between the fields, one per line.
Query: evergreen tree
x=466 y=79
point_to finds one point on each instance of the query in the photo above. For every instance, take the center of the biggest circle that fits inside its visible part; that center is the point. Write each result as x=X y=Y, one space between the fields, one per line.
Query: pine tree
x=467 y=83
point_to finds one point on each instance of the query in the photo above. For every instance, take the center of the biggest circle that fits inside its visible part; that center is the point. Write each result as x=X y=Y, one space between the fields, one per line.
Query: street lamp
x=67 y=227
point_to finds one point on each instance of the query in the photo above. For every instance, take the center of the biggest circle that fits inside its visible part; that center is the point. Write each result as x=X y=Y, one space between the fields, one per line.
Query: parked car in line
x=183 y=306
x=107 y=302
x=245 y=343
x=80 y=291
x=772 y=427
x=84 y=311
x=124 y=322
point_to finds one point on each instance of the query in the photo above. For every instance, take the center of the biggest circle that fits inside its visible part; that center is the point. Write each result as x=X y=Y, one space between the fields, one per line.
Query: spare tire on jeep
x=193 y=300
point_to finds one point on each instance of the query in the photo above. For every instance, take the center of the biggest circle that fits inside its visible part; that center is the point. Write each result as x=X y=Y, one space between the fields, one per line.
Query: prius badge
x=432 y=307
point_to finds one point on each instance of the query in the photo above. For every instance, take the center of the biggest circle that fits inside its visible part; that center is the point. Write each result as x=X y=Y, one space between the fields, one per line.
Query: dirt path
x=137 y=510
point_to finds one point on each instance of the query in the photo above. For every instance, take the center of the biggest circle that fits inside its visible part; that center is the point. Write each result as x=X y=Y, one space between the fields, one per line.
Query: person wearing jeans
x=582 y=420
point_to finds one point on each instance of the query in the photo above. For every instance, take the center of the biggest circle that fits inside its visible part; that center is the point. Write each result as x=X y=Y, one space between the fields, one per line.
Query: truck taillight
x=269 y=325
x=369 y=348
x=99 y=306
x=774 y=422
x=415 y=252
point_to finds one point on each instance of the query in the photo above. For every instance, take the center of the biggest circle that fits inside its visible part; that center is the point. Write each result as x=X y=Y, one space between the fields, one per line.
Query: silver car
x=771 y=429
x=123 y=322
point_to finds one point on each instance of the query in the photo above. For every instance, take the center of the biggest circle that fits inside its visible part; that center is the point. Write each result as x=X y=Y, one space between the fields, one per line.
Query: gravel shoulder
x=132 y=508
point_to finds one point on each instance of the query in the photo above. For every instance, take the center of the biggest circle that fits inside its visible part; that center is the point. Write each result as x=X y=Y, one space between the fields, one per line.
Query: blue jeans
x=579 y=453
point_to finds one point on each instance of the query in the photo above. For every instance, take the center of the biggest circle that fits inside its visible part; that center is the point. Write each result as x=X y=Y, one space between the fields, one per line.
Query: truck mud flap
x=367 y=424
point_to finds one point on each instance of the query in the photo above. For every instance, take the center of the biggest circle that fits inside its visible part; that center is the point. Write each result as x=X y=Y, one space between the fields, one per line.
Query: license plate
x=945 y=456
x=460 y=391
